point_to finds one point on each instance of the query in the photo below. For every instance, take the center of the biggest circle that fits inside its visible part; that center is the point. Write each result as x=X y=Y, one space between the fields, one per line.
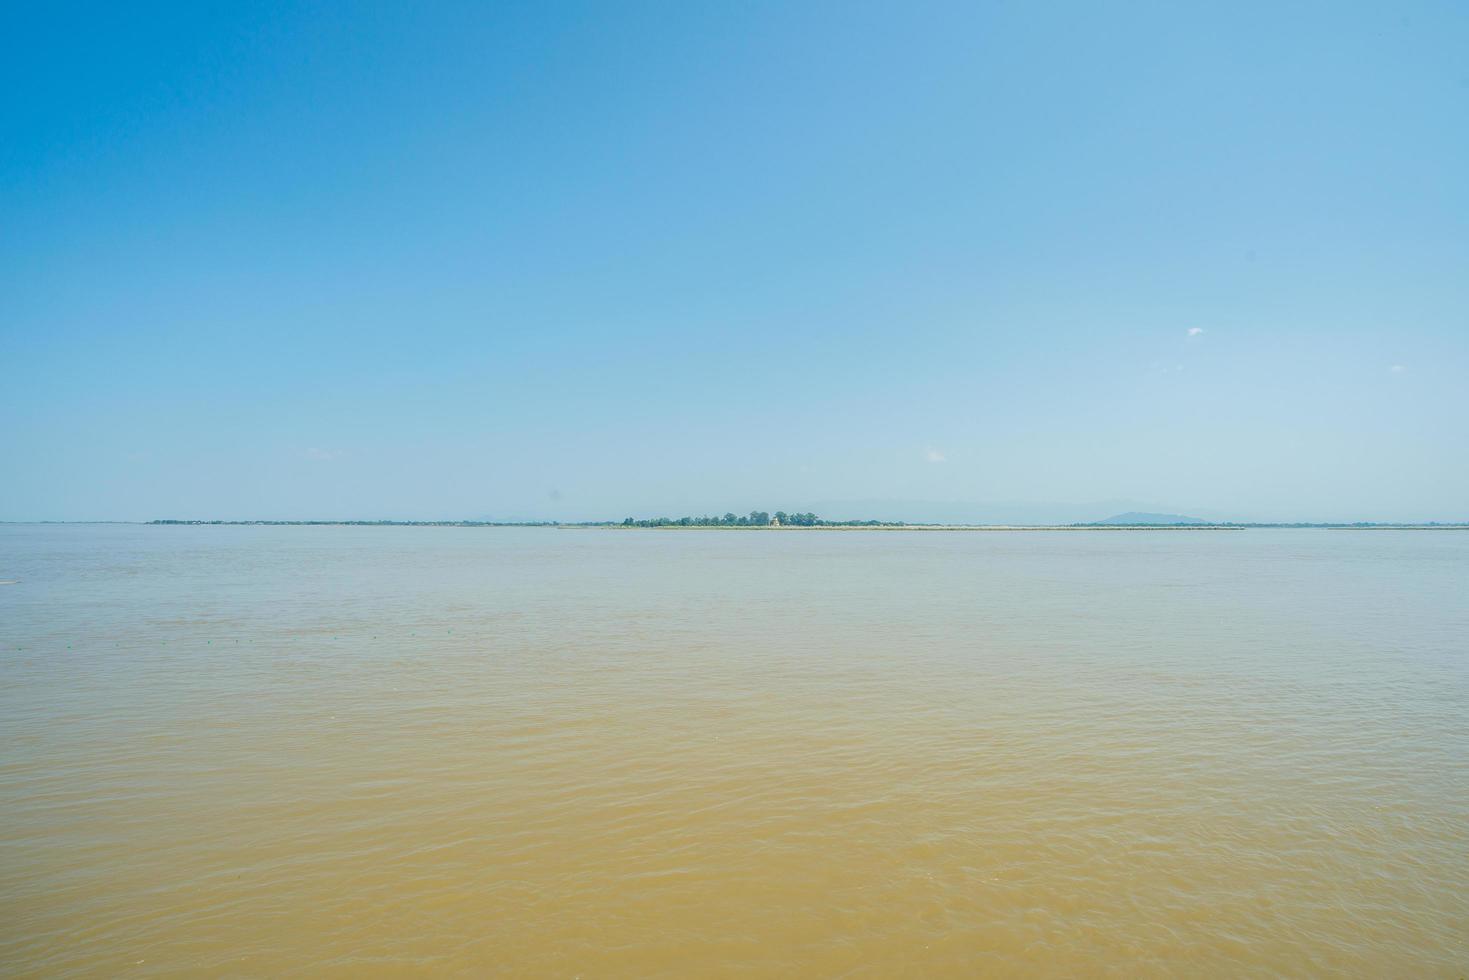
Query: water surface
x=349 y=751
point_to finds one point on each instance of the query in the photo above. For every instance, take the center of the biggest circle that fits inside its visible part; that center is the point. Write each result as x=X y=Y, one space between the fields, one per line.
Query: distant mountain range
x=1138 y=517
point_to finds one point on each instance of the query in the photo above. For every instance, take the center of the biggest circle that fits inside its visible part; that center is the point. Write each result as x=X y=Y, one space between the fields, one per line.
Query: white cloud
x=1195 y=331
x=322 y=455
x=935 y=456
x=1397 y=369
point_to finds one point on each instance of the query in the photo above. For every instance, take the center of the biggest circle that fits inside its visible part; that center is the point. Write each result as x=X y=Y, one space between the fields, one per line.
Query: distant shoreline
x=1045 y=527
x=853 y=526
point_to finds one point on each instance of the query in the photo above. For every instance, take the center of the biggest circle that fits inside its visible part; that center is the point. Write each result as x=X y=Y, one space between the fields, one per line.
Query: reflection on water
x=630 y=753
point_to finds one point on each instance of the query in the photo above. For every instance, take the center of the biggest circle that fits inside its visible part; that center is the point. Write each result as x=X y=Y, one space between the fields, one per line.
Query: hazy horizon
x=910 y=511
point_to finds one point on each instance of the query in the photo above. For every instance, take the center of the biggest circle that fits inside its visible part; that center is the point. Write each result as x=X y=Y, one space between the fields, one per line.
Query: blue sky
x=580 y=261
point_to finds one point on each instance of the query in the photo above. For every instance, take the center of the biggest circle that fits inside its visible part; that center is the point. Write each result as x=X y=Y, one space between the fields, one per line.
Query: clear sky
x=580 y=261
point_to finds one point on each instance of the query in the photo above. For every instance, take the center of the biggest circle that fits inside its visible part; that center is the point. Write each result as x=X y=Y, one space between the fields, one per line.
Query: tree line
x=756 y=518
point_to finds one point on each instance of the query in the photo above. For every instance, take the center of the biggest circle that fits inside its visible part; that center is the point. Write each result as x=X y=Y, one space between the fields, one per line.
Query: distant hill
x=1137 y=517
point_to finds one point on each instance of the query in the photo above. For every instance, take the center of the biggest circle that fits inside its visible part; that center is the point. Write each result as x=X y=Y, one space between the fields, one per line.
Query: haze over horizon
x=577 y=262
x=917 y=512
